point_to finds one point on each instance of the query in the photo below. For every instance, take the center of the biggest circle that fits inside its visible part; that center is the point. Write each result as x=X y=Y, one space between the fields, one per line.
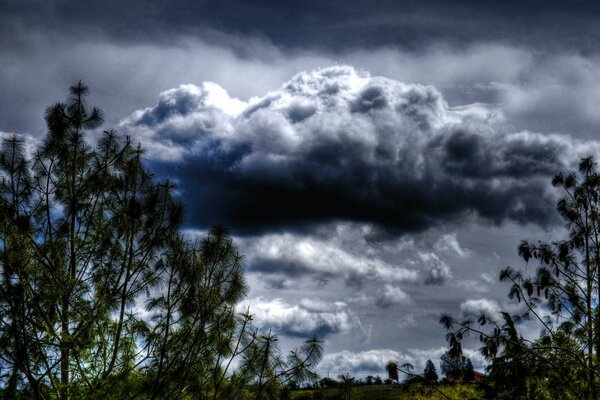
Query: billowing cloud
x=476 y=307
x=355 y=254
x=308 y=317
x=438 y=271
x=336 y=143
x=296 y=255
x=392 y=296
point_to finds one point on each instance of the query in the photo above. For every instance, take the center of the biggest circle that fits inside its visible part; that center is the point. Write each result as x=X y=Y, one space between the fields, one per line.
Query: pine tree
x=87 y=238
x=430 y=373
x=469 y=372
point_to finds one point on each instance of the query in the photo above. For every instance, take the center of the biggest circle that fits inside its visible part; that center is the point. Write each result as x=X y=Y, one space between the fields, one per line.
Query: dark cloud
x=373 y=150
x=321 y=149
x=293 y=268
x=334 y=24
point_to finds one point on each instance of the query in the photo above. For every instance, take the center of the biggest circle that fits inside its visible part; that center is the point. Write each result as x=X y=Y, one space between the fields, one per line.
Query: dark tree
x=347 y=383
x=392 y=369
x=430 y=373
x=92 y=225
x=469 y=372
x=88 y=239
x=455 y=367
x=567 y=284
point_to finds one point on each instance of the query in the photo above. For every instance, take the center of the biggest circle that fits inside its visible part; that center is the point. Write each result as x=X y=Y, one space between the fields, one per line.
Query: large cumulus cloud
x=337 y=143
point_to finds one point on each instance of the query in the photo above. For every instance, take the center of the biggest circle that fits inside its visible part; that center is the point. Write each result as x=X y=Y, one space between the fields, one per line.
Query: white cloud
x=337 y=256
x=372 y=362
x=334 y=104
x=476 y=307
x=308 y=317
x=392 y=296
x=365 y=361
x=449 y=243
x=438 y=272
x=407 y=320
x=352 y=253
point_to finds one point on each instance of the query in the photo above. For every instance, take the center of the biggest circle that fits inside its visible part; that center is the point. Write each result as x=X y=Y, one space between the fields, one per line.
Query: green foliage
x=345 y=389
x=416 y=391
x=563 y=362
x=459 y=368
x=100 y=294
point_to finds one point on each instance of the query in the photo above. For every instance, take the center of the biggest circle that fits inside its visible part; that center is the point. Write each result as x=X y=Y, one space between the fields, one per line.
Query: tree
x=566 y=283
x=392 y=369
x=469 y=372
x=407 y=368
x=92 y=225
x=88 y=239
x=346 y=385
x=455 y=367
x=430 y=373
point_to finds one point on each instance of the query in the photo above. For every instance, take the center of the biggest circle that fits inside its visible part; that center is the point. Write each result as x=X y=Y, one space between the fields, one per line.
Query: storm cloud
x=339 y=144
x=365 y=203
x=325 y=25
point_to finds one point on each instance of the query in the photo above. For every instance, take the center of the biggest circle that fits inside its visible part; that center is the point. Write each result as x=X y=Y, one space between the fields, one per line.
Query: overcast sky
x=377 y=162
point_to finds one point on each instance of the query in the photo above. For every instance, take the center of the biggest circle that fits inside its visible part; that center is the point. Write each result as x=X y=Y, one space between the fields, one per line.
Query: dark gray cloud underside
x=325 y=24
x=398 y=204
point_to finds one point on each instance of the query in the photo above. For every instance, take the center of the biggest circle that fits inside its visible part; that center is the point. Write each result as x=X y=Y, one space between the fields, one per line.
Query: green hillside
x=393 y=392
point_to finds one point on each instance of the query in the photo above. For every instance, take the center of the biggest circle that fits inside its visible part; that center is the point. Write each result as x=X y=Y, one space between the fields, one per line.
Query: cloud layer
x=331 y=25
x=353 y=254
x=373 y=361
x=339 y=144
x=307 y=318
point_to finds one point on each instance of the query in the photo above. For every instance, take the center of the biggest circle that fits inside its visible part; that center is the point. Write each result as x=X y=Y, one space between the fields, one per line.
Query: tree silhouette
x=407 y=368
x=454 y=367
x=567 y=283
x=345 y=389
x=100 y=294
x=91 y=223
x=392 y=369
x=430 y=373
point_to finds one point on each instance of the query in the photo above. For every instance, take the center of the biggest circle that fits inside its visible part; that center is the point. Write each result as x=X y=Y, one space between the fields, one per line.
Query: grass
x=395 y=392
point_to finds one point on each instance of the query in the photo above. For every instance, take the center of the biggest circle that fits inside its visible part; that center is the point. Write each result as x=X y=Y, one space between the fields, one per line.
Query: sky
x=377 y=162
